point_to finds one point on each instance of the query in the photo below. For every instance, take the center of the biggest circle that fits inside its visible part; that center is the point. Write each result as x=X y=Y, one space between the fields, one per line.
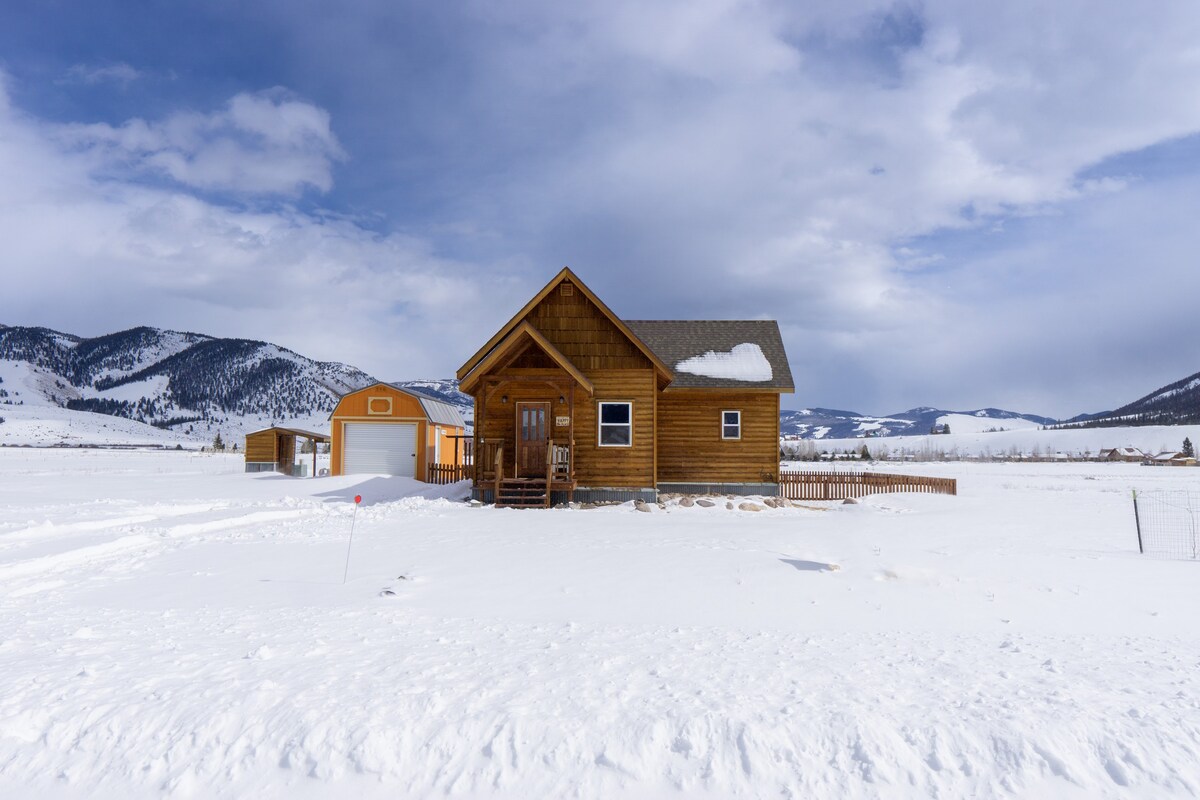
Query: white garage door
x=383 y=448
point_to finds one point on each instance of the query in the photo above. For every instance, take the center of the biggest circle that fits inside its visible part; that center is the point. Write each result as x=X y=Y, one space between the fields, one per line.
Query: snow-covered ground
x=50 y=426
x=172 y=626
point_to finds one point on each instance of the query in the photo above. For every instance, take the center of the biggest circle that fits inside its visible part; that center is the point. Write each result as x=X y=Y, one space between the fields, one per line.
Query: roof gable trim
x=509 y=344
x=519 y=318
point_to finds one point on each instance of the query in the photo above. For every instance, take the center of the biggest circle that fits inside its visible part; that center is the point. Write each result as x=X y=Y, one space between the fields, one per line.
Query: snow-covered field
x=46 y=426
x=172 y=626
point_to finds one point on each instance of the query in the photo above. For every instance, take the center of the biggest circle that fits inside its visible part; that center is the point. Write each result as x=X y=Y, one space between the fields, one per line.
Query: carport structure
x=274 y=449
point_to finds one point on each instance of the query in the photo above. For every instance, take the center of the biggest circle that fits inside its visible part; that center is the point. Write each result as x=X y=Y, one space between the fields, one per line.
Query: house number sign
x=562 y=422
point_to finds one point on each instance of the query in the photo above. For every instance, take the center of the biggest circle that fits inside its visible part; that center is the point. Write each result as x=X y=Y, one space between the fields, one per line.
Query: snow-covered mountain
x=828 y=423
x=190 y=384
x=1176 y=403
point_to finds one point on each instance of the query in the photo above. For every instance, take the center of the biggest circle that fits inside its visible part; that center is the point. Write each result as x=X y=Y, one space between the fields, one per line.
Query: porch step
x=523 y=493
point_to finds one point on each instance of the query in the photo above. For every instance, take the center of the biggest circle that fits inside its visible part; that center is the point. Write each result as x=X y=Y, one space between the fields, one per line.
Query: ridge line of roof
x=704 y=320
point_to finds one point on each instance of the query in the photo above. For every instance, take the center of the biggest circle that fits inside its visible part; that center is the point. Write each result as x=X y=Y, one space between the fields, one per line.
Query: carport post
x=314 y=447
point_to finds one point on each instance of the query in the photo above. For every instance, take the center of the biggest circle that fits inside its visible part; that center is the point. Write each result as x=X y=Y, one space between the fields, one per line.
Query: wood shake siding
x=690 y=447
x=583 y=334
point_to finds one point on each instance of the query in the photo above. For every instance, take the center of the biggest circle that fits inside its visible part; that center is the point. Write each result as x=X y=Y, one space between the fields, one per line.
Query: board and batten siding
x=690 y=447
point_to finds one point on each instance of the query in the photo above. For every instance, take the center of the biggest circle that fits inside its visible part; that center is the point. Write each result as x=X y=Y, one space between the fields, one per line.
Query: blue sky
x=942 y=203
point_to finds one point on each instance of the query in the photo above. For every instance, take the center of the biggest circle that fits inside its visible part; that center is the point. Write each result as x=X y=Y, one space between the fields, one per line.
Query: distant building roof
x=439 y=411
x=303 y=434
x=712 y=354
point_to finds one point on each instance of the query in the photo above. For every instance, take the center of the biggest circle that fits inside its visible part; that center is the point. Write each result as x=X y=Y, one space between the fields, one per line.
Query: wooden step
x=522 y=493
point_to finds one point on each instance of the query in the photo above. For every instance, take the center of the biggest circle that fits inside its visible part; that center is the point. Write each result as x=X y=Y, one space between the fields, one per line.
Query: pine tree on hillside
x=219 y=443
x=1188 y=450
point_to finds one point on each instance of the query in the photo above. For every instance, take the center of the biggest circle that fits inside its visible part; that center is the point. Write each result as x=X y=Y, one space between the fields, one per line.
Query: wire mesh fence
x=1168 y=523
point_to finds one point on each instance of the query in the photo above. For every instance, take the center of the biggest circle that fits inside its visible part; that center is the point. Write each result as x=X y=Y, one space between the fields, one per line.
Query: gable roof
x=564 y=274
x=675 y=341
x=509 y=346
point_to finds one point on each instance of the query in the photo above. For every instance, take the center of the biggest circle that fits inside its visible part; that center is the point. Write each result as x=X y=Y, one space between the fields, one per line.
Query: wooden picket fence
x=842 y=485
x=448 y=473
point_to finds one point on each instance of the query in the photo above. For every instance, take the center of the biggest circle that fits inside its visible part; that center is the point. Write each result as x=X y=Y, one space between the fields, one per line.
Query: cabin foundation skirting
x=739 y=489
x=260 y=466
x=581 y=495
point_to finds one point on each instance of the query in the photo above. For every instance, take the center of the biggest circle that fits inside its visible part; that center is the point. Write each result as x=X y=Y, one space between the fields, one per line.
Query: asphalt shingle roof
x=676 y=340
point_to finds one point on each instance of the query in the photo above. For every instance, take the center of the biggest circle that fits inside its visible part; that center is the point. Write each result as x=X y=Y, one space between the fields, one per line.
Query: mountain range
x=828 y=423
x=196 y=385
x=192 y=384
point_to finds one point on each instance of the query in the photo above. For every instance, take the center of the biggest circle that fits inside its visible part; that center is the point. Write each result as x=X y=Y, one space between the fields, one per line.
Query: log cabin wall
x=498 y=421
x=690 y=447
x=618 y=467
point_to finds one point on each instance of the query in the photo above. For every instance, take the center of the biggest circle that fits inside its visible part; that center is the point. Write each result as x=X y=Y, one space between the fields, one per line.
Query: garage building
x=385 y=430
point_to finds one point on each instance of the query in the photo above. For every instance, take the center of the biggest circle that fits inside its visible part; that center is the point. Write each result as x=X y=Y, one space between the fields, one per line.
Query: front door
x=531 y=439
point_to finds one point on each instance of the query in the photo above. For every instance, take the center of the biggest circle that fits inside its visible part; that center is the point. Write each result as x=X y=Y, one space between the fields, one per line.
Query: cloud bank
x=943 y=203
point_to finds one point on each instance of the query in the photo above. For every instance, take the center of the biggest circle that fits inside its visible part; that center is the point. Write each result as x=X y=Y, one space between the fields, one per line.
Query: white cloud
x=807 y=160
x=89 y=254
x=267 y=142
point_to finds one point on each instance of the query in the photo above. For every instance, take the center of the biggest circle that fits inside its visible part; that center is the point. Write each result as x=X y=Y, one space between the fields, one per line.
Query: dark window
x=616 y=424
x=731 y=424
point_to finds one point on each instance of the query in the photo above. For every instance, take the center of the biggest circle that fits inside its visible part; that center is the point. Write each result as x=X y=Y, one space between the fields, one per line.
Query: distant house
x=1128 y=454
x=1170 y=458
x=574 y=401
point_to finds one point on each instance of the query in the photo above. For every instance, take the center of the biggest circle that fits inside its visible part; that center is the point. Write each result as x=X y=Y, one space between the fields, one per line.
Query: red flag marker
x=346 y=571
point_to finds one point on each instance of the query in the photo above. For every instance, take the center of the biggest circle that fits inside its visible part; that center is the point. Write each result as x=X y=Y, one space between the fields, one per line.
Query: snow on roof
x=683 y=341
x=744 y=362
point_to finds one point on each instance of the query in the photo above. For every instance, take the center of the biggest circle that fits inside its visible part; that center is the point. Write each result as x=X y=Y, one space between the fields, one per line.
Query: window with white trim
x=616 y=424
x=731 y=424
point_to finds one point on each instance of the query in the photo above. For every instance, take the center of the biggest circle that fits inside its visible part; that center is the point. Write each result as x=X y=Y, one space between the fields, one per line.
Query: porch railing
x=486 y=464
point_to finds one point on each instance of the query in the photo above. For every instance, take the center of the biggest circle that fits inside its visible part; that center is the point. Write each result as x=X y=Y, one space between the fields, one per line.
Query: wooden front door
x=532 y=421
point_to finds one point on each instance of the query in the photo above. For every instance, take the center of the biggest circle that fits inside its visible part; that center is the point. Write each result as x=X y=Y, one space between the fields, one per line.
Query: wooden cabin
x=274 y=449
x=571 y=401
x=385 y=430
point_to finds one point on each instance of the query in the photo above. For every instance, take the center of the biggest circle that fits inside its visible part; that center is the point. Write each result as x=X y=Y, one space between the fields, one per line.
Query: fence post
x=1138 y=521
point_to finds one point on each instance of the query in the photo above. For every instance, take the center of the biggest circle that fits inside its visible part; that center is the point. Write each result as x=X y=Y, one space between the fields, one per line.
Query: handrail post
x=499 y=472
x=549 y=468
